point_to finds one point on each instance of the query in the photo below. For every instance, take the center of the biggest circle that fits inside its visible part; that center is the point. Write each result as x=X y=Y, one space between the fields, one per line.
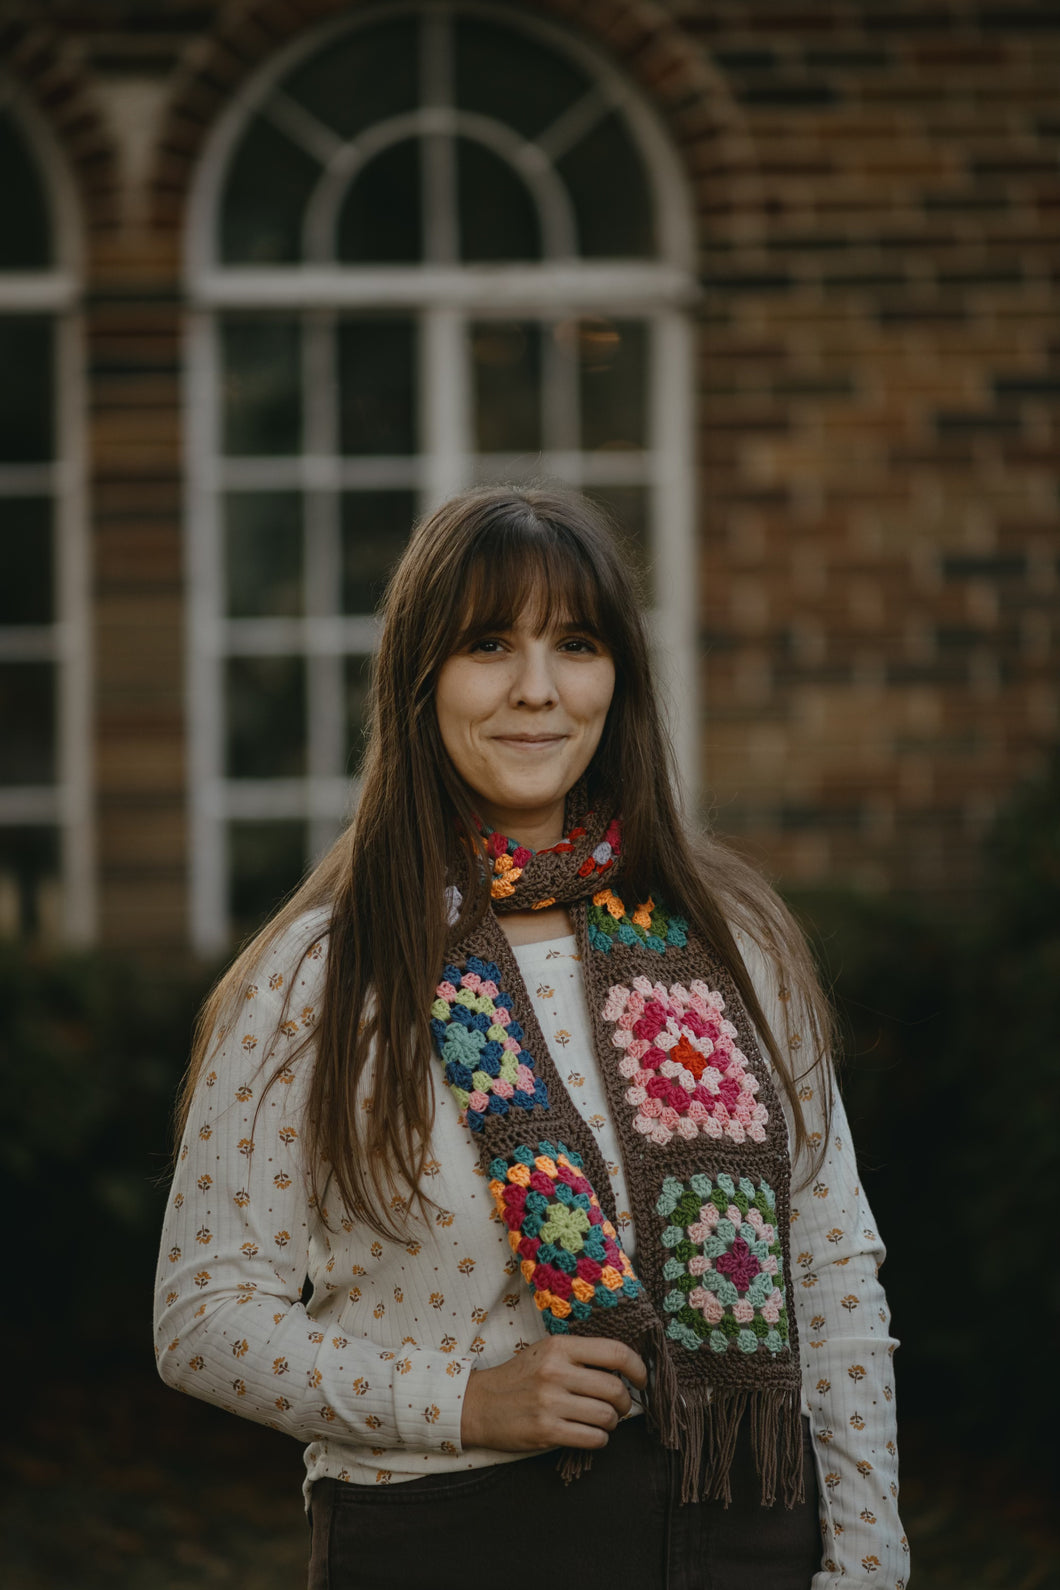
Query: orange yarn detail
x=690 y=1058
x=507 y=874
x=608 y=1229
x=544 y=1298
x=543 y=1162
x=584 y=1291
x=496 y=1188
x=560 y=1306
x=610 y=902
x=520 y=1174
x=610 y=1277
x=642 y=915
x=539 y=905
x=528 y=1267
x=627 y=1268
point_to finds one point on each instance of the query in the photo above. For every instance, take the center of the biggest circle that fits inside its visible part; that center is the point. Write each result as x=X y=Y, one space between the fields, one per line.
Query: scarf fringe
x=705 y=1433
x=573 y=1463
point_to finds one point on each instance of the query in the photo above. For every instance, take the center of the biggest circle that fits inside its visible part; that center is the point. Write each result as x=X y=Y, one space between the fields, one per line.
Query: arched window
x=45 y=794
x=431 y=245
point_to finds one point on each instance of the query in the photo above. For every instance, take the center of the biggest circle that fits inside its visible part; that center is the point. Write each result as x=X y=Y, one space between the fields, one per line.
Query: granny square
x=725 y=1265
x=686 y=1074
x=569 y=1252
x=478 y=1038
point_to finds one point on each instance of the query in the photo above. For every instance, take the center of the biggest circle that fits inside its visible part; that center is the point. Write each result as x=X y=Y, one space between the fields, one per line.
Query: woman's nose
x=534 y=684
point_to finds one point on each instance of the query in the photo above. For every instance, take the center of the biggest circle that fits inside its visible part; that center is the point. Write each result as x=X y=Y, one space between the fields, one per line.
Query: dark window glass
x=376 y=374
x=25 y=237
x=29 y=882
x=27 y=712
x=263 y=553
x=262 y=386
x=375 y=528
x=26 y=561
x=354 y=82
x=627 y=507
x=509 y=76
x=506 y=360
x=498 y=216
x=264 y=198
x=612 y=360
x=609 y=189
x=266 y=717
x=380 y=220
x=26 y=389
x=358 y=674
x=265 y=860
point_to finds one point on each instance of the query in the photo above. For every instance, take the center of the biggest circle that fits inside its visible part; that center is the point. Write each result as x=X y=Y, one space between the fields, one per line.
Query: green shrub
x=951 y=1074
x=91 y=1053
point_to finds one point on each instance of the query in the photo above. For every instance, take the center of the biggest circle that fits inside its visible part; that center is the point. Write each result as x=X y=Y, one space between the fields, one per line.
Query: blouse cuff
x=428 y=1391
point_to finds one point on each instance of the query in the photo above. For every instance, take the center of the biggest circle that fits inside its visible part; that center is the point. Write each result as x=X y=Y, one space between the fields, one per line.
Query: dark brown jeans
x=516 y=1526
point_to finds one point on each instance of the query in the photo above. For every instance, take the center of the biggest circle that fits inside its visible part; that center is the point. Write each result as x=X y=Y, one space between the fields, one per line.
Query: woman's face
x=521 y=715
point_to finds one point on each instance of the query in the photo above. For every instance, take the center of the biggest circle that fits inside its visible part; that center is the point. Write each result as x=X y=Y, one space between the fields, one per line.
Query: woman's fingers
x=562 y=1391
x=593 y=1384
x=603 y=1353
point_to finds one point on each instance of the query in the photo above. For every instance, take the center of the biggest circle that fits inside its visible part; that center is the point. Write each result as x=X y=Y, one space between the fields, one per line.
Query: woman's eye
x=488 y=644
x=579 y=643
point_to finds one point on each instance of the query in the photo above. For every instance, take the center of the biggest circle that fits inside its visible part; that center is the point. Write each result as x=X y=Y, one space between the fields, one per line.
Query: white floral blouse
x=372 y=1371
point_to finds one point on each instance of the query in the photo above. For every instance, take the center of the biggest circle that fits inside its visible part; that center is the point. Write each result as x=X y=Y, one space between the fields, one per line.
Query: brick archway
x=38 y=58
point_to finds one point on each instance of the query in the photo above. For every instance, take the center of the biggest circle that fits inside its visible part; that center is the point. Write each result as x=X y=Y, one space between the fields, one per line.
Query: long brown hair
x=471 y=567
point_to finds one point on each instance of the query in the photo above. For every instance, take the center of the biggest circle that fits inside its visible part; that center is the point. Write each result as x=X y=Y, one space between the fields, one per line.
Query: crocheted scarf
x=704 y=1145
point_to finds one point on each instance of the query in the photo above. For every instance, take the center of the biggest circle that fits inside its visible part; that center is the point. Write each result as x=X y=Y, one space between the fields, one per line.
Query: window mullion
x=325 y=751
x=560 y=420
x=71 y=611
x=673 y=516
x=440 y=232
x=208 y=848
x=445 y=402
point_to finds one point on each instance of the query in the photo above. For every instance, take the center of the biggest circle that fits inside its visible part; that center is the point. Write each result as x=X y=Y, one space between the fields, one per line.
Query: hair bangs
x=529 y=567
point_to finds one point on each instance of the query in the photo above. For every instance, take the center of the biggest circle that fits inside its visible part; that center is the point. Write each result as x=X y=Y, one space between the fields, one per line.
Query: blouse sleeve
x=230 y=1326
x=844 y=1330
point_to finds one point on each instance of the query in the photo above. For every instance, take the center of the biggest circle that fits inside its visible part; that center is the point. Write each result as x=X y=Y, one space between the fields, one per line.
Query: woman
x=533 y=1092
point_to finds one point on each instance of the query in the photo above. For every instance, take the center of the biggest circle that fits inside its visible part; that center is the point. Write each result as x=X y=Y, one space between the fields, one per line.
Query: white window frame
x=446 y=297
x=68 y=803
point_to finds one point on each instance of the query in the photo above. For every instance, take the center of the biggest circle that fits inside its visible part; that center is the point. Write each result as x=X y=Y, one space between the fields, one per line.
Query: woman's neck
x=536 y=829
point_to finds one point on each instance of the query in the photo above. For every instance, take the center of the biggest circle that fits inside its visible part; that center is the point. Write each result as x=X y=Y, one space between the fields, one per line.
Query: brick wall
x=878 y=200
x=880 y=383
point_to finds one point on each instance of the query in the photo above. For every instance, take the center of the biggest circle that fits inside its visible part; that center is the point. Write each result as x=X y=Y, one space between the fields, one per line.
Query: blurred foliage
x=91 y=1053
x=951 y=1075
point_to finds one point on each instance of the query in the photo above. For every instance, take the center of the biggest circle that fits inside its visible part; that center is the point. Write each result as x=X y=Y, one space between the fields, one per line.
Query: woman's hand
x=563 y=1391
